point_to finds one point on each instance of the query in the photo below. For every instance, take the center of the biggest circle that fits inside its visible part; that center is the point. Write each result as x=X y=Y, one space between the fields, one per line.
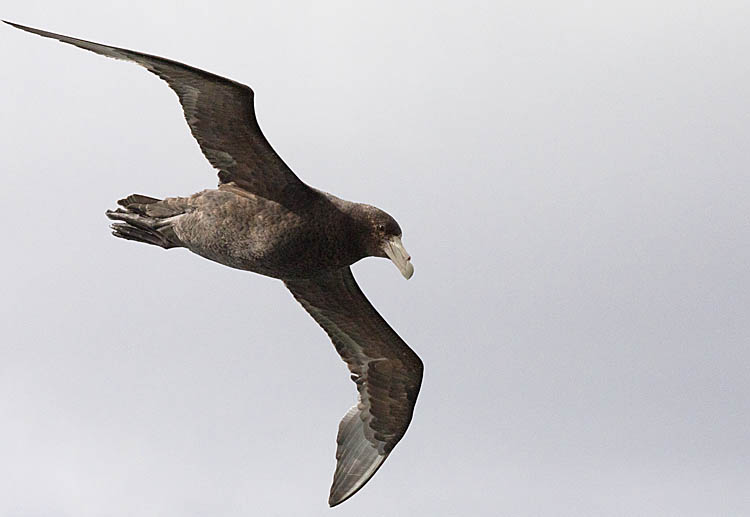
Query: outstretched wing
x=387 y=373
x=221 y=116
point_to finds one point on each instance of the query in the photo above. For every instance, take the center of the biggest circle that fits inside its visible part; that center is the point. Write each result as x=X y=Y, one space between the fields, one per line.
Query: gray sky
x=572 y=181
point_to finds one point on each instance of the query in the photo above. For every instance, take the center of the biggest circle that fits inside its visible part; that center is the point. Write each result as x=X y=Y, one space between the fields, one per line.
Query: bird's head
x=382 y=238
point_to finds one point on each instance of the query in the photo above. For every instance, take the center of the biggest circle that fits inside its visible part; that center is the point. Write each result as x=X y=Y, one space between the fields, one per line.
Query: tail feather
x=139 y=199
x=146 y=219
x=131 y=233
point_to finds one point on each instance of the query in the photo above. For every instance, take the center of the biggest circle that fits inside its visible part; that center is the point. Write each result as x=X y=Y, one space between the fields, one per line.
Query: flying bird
x=263 y=218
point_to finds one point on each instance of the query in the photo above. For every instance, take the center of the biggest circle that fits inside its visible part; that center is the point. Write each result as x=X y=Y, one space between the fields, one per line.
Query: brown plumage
x=263 y=218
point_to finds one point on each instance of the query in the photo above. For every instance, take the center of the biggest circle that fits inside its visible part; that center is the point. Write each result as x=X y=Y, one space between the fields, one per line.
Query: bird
x=262 y=218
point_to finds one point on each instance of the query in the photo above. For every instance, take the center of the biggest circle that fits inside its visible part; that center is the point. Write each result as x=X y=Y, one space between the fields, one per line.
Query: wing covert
x=388 y=375
x=221 y=116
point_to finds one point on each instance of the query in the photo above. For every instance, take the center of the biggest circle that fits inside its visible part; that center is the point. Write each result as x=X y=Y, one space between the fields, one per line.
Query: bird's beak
x=394 y=248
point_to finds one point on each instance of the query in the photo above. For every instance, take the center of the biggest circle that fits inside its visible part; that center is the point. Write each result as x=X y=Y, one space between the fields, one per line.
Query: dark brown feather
x=262 y=218
x=221 y=116
x=387 y=372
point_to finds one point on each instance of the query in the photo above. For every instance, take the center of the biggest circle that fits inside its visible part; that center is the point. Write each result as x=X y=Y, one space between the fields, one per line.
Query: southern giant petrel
x=263 y=218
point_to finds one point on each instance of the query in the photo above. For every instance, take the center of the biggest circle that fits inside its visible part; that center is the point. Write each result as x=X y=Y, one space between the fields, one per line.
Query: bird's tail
x=147 y=219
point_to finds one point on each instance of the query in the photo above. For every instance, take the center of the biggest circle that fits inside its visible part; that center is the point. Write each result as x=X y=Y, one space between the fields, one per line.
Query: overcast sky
x=573 y=183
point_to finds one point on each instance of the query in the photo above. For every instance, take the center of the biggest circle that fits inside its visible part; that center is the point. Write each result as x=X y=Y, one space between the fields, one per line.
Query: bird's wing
x=221 y=116
x=387 y=373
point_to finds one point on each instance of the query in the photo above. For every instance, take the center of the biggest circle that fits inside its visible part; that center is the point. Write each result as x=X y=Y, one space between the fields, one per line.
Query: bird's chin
x=394 y=250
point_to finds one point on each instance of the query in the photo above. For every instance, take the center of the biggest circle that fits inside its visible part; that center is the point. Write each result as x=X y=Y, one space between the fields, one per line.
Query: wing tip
x=32 y=30
x=338 y=496
x=341 y=490
x=22 y=27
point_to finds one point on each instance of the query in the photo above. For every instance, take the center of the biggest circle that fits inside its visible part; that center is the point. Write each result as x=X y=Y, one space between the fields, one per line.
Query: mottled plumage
x=262 y=218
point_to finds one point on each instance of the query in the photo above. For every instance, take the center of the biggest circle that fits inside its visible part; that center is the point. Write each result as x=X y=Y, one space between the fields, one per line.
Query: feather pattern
x=262 y=218
x=221 y=116
x=387 y=373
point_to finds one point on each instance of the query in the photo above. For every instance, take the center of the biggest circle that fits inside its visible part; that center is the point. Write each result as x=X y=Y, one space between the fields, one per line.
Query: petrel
x=263 y=218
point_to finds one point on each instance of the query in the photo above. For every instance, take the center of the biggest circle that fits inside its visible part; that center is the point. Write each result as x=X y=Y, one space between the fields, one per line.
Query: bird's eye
x=381 y=227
